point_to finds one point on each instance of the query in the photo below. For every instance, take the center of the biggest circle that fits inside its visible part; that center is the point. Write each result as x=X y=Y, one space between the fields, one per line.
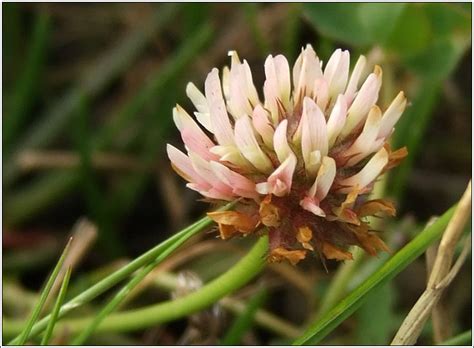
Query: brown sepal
x=269 y=213
x=231 y=222
x=376 y=206
x=280 y=253
x=394 y=157
x=304 y=236
x=332 y=252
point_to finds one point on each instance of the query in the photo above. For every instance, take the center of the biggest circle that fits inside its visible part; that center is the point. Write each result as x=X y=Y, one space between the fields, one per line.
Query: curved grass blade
x=44 y=294
x=122 y=273
x=122 y=293
x=57 y=306
x=331 y=319
x=241 y=273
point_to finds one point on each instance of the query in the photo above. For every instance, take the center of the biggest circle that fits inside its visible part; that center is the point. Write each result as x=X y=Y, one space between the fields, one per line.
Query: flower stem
x=247 y=268
x=119 y=275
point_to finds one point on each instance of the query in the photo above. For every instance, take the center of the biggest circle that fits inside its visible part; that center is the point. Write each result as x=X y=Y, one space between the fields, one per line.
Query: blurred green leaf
x=379 y=19
x=355 y=23
x=438 y=60
x=412 y=33
x=11 y=44
x=448 y=19
x=337 y=21
x=410 y=131
x=27 y=84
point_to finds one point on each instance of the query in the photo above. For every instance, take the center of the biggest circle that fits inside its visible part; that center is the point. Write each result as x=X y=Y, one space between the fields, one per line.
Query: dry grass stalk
x=29 y=160
x=441 y=275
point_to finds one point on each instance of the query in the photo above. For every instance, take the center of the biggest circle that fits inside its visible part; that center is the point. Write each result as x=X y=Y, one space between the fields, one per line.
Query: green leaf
x=448 y=19
x=412 y=33
x=331 y=319
x=57 y=306
x=354 y=23
x=379 y=19
x=410 y=131
x=439 y=59
x=244 y=321
x=44 y=295
x=337 y=21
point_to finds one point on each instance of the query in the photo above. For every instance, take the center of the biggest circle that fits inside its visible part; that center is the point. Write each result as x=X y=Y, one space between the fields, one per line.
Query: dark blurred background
x=88 y=91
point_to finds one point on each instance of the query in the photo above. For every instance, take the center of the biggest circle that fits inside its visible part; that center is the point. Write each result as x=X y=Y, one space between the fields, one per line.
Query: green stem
x=122 y=294
x=462 y=339
x=246 y=269
x=119 y=275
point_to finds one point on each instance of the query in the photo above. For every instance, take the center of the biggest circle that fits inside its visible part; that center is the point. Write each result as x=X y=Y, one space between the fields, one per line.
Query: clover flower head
x=301 y=162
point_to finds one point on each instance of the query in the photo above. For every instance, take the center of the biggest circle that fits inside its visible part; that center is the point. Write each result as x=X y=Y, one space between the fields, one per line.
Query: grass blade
x=331 y=319
x=44 y=294
x=122 y=293
x=57 y=306
x=244 y=321
x=121 y=274
x=463 y=339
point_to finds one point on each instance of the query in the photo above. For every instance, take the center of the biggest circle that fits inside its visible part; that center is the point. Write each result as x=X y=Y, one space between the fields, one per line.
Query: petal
x=198 y=99
x=312 y=205
x=305 y=71
x=279 y=183
x=321 y=93
x=203 y=168
x=277 y=84
x=262 y=125
x=336 y=72
x=365 y=143
x=231 y=154
x=365 y=99
x=324 y=179
x=241 y=186
x=200 y=102
x=392 y=115
x=337 y=119
x=219 y=119
x=182 y=165
x=193 y=136
x=313 y=135
x=368 y=174
x=242 y=92
x=248 y=145
x=354 y=80
x=280 y=142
